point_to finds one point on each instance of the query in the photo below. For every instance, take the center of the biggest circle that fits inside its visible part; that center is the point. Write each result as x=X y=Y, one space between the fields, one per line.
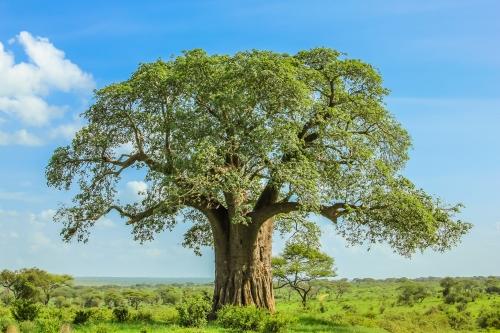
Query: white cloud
x=47 y=215
x=21 y=137
x=66 y=131
x=26 y=86
x=137 y=188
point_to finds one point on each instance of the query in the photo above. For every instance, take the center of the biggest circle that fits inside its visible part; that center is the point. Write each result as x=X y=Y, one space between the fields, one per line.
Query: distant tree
x=492 y=286
x=170 y=295
x=341 y=287
x=460 y=290
x=48 y=283
x=113 y=299
x=411 y=293
x=299 y=267
x=447 y=283
x=32 y=283
x=23 y=284
x=135 y=297
x=92 y=299
x=234 y=143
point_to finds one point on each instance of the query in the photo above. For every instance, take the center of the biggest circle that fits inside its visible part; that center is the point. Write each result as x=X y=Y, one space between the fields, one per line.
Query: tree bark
x=243 y=274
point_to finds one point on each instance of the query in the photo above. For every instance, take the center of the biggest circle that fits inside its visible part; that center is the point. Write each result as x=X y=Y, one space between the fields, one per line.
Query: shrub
x=489 y=318
x=193 y=311
x=5 y=322
x=48 y=321
x=121 y=314
x=167 y=315
x=28 y=327
x=81 y=317
x=459 y=320
x=412 y=293
x=170 y=295
x=242 y=318
x=24 y=310
x=99 y=315
x=337 y=319
x=277 y=323
x=143 y=316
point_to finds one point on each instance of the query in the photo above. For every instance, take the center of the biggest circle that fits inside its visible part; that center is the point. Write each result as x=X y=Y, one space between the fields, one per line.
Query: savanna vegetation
x=423 y=305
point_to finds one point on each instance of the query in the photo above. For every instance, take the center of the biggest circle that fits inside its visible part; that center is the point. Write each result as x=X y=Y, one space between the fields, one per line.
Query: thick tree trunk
x=243 y=274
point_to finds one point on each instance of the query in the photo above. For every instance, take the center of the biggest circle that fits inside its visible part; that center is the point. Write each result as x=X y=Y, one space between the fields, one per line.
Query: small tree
x=22 y=284
x=48 y=283
x=33 y=283
x=136 y=297
x=412 y=293
x=341 y=287
x=459 y=291
x=170 y=295
x=299 y=267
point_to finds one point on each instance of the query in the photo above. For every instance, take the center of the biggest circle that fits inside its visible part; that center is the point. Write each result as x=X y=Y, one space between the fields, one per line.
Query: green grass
x=368 y=307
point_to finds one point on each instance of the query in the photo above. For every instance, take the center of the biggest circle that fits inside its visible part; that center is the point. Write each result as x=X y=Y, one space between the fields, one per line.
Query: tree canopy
x=251 y=136
x=300 y=266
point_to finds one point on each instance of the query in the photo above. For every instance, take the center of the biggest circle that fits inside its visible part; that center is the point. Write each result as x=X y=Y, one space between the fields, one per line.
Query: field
x=361 y=306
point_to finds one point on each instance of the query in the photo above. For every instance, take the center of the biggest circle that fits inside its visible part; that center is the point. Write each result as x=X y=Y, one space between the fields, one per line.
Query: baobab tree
x=236 y=143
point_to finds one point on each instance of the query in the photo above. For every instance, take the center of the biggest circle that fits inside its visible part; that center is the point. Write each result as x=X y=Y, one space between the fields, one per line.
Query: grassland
x=368 y=306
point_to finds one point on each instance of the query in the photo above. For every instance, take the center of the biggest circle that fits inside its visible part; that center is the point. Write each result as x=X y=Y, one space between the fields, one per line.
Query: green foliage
x=220 y=131
x=247 y=318
x=277 y=323
x=144 y=316
x=82 y=316
x=121 y=314
x=101 y=315
x=489 y=318
x=357 y=311
x=412 y=293
x=459 y=291
x=24 y=310
x=5 y=322
x=250 y=318
x=193 y=311
x=299 y=266
x=29 y=327
x=32 y=284
x=460 y=320
x=170 y=295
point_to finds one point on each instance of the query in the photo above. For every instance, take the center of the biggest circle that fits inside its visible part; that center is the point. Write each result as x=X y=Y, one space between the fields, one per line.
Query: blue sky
x=440 y=59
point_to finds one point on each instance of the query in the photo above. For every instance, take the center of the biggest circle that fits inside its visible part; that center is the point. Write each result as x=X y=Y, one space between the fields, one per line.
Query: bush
x=168 y=315
x=193 y=311
x=49 y=321
x=99 y=315
x=277 y=323
x=459 y=320
x=121 y=314
x=24 y=310
x=28 y=327
x=143 y=316
x=81 y=317
x=412 y=293
x=5 y=322
x=242 y=318
x=338 y=319
x=489 y=318
x=170 y=295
